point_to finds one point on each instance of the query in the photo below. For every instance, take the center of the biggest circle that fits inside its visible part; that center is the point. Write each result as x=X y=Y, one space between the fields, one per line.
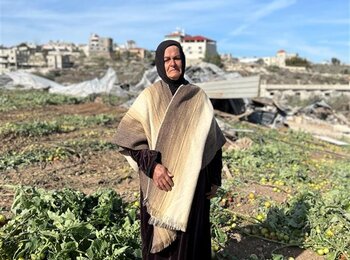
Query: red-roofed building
x=195 y=47
x=197 y=38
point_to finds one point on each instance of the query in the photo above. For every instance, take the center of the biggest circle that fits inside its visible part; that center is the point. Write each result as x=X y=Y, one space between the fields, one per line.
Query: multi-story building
x=8 y=59
x=100 y=46
x=57 y=60
x=196 y=48
x=176 y=36
x=37 y=60
x=60 y=55
x=131 y=47
x=59 y=46
x=31 y=56
x=17 y=57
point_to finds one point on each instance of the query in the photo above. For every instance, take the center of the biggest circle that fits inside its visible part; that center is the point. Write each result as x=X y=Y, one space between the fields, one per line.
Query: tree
x=117 y=56
x=297 y=62
x=335 y=61
x=260 y=61
x=149 y=55
x=215 y=59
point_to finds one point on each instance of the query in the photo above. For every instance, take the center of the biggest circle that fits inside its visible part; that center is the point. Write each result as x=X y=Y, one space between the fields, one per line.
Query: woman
x=171 y=137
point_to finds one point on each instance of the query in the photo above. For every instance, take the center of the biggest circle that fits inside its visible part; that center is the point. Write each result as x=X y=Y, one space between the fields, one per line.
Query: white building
x=16 y=57
x=131 y=47
x=280 y=58
x=196 y=48
x=60 y=46
x=29 y=56
x=8 y=59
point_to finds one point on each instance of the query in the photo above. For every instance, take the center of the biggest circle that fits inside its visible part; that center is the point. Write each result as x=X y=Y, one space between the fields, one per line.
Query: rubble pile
x=204 y=72
x=318 y=119
x=315 y=74
x=201 y=72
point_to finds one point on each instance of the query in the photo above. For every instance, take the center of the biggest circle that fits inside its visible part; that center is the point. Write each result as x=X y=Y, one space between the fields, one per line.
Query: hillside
x=130 y=71
x=315 y=74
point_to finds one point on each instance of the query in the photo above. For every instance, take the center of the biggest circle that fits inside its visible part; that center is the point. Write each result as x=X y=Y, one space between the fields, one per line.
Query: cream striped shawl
x=183 y=129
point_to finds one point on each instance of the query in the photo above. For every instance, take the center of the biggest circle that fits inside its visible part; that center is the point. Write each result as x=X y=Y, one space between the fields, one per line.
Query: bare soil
x=109 y=169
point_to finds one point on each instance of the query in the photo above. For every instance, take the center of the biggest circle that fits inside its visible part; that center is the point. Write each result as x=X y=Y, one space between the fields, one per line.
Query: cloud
x=327 y=21
x=158 y=10
x=261 y=13
x=111 y=19
x=244 y=27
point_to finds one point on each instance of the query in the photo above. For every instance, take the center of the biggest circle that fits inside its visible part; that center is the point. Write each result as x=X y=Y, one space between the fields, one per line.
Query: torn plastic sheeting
x=30 y=81
x=331 y=140
x=107 y=84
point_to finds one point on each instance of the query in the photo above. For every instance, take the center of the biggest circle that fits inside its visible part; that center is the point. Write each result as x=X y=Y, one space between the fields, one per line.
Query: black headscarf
x=173 y=84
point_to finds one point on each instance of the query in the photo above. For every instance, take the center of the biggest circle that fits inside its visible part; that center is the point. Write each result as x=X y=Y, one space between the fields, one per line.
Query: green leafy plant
x=67 y=224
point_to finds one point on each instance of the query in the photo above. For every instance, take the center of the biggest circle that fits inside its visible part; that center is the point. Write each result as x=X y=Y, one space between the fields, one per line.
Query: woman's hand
x=163 y=178
x=212 y=192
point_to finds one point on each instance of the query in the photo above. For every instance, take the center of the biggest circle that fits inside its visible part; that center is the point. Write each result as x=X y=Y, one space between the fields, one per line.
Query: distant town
x=61 y=55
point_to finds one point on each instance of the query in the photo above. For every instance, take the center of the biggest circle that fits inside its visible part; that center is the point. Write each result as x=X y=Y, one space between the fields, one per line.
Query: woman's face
x=172 y=62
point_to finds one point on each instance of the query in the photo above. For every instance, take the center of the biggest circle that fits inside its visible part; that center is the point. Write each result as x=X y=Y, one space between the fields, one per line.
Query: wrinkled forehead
x=172 y=50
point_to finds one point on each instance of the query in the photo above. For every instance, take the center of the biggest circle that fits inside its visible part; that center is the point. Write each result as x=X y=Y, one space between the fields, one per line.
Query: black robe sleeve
x=214 y=168
x=146 y=160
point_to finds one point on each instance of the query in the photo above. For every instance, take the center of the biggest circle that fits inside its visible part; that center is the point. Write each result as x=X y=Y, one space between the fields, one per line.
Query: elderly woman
x=170 y=136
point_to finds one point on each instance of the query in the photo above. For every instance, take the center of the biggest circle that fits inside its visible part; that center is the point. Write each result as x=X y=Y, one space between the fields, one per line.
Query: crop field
x=66 y=192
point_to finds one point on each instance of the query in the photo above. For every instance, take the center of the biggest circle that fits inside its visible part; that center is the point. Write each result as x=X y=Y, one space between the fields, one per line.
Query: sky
x=317 y=30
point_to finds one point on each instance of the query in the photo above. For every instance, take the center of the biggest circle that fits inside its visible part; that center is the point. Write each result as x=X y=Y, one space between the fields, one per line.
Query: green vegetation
x=298 y=62
x=29 y=99
x=273 y=68
x=44 y=154
x=68 y=224
x=312 y=176
x=19 y=99
x=215 y=59
x=287 y=188
x=62 y=124
x=335 y=61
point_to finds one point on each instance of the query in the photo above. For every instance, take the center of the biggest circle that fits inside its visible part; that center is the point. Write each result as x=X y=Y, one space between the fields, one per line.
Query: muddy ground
x=104 y=169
